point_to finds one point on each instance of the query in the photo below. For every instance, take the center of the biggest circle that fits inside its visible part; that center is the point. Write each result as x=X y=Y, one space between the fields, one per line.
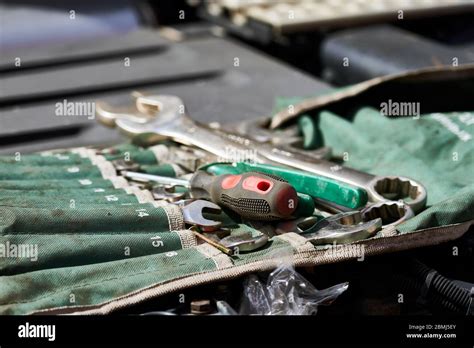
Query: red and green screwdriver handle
x=252 y=195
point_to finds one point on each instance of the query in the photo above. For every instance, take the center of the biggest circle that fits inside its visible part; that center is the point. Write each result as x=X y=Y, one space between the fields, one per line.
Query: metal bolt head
x=121 y=165
x=201 y=307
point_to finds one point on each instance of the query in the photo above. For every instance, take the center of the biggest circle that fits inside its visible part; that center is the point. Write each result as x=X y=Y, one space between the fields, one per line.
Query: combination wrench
x=392 y=198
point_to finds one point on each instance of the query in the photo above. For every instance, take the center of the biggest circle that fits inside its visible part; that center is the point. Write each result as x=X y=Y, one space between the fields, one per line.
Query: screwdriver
x=330 y=193
x=252 y=195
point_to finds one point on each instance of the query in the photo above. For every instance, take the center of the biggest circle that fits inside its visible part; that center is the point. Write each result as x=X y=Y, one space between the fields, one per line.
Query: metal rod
x=217 y=245
x=156 y=178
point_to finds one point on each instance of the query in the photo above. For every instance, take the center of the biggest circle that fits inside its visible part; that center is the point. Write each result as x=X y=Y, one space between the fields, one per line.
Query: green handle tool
x=323 y=189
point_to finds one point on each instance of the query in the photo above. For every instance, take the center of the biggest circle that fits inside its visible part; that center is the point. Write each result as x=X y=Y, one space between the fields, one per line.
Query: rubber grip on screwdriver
x=255 y=196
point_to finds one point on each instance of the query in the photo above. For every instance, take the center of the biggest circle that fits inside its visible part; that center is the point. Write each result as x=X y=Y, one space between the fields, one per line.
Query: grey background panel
x=237 y=92
x=173 y=63
x=139 y=41
x=384 y=49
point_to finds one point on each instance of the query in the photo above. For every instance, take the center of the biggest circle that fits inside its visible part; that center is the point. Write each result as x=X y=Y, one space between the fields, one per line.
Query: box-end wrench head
x=398 y=188
x=392 y=213
x=378 y=188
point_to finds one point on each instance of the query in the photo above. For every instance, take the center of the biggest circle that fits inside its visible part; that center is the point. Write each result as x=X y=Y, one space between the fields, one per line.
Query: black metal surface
x=360 y=54
x=104 y=74
x=201 y=71
x=136 y=42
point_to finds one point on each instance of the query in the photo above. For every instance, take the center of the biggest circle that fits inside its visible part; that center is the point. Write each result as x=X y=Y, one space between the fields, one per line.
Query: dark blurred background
x=76 y=50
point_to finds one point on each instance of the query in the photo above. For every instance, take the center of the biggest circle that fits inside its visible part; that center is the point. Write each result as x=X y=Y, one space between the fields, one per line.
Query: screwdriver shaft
x=156 y=178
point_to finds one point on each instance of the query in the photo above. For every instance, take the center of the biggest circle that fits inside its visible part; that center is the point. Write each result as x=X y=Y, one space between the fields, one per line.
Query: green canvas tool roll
x=103 y=169
x=55 y=184
x=84 y=156
x=97 y=233
x=101 y=258
x=82 y=163
x=62 y=159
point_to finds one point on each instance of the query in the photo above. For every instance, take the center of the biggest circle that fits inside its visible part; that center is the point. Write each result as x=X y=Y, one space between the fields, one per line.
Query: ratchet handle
x=255 y=196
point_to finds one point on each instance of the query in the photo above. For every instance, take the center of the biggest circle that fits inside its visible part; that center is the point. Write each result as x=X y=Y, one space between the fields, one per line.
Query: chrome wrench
x=170 y=121
x=339 y=228
x=286 y=140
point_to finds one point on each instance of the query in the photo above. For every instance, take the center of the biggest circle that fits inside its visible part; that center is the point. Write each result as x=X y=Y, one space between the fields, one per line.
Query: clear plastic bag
x=285 y=292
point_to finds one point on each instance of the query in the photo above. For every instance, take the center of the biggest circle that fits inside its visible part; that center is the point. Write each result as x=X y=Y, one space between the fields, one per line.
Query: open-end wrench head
x=108 y=115
x=154 y=104
x=193 y=213
x=170 y=115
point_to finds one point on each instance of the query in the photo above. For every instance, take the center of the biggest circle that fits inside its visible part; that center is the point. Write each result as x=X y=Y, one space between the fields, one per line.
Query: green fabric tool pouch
x=395 y=126
x=103 y=258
